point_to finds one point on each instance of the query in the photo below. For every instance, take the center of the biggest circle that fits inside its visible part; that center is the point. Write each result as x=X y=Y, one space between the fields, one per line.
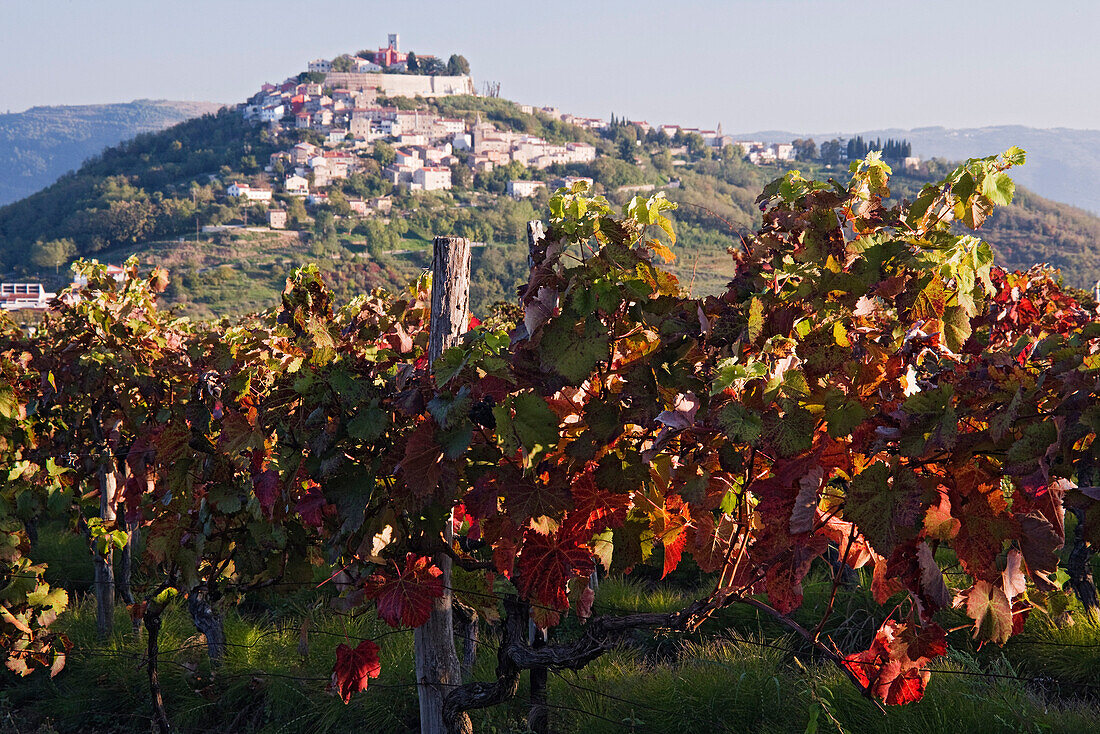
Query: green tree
x=805 y=150
x=411 y=63
x=384 y=153
x=342 y=62
x=324 y=226
x=296 y=213
x=626 y=148
x=458 y=65
x=339 y=202
x=695 y=144
x=461 y=176
x=379 y=237
x=832 y=150
x=52 y=253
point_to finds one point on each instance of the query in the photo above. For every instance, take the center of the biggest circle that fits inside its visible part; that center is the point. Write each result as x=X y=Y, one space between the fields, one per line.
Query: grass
x=265 y=685
x=741 y=672
x=742 y=678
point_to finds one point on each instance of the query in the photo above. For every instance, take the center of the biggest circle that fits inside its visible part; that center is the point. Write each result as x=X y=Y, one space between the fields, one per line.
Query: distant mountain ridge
x=41 y=143
x=1058 y=159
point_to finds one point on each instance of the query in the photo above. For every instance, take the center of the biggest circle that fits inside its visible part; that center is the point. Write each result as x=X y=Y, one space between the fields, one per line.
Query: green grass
x=265 y=684
x=742 y=679
x=739 y=684
x=741 y=672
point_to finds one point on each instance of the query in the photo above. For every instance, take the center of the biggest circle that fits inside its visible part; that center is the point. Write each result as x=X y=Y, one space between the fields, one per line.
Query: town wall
x=401 y=85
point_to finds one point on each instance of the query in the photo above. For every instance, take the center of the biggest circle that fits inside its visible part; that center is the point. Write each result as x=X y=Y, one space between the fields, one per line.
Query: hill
x=169 y=197
x=41 y=143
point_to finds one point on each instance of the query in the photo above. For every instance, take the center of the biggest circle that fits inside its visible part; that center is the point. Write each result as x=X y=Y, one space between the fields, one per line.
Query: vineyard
x=860 y=482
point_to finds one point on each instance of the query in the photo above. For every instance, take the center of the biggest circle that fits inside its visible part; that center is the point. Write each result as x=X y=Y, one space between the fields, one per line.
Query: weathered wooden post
x=104 y=562
x=437 y=668
x=535 y=232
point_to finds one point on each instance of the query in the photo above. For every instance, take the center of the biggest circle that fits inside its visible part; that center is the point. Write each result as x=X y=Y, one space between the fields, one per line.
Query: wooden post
x=535 y=232
x=104 y=566
x=437 y=669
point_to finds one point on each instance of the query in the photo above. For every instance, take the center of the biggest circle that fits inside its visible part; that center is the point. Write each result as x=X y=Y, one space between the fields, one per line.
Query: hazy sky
x=800 y=65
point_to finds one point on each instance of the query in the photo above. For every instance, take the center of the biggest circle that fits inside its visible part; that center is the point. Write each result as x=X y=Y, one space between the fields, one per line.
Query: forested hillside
x=40 y=144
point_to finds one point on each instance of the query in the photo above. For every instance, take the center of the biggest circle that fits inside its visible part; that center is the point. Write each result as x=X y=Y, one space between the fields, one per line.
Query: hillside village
x=348 y=107
x=362 y=158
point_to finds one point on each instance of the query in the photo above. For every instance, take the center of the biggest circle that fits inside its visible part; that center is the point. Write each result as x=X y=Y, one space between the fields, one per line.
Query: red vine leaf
x=422 y=466
x=893 y=668
x=312 y=506
x=266 y=487
x=546 y=563
x=674 y=548
x=353 y=668
x=595 y=509
x=407 y=598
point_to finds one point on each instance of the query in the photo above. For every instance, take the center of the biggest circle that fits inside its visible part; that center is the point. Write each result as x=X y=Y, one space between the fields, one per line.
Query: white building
x=432 y=178
x=412 y=139
x=447 y=126
x=272 y=113
x=580 y=153
x=276 y=218
x=321 y=65
x=362 y=66
x=15 y=296
x=303 y=152
x=296 y=185
x=240 y=190
x=784 y=151
x=405 y=158
x=524 y=189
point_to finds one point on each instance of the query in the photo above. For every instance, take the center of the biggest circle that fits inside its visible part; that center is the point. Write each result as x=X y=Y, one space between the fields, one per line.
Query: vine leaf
x=805 y=503
x=421 y=467
x=883 y=505
x=354 y=668
x=266 y=487
x=574 y=350
x=894 y=667
x=595 y=509
x=312 y=506
x=991 y=611
x=546 y=563
x=407 y=598
x=526 y=421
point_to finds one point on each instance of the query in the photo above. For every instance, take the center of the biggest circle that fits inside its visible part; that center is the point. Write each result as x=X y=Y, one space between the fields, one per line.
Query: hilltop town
x=360 y=160
x=353 y=102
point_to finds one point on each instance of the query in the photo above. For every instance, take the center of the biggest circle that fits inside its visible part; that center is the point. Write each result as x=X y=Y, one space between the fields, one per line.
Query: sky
x=797 y=65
